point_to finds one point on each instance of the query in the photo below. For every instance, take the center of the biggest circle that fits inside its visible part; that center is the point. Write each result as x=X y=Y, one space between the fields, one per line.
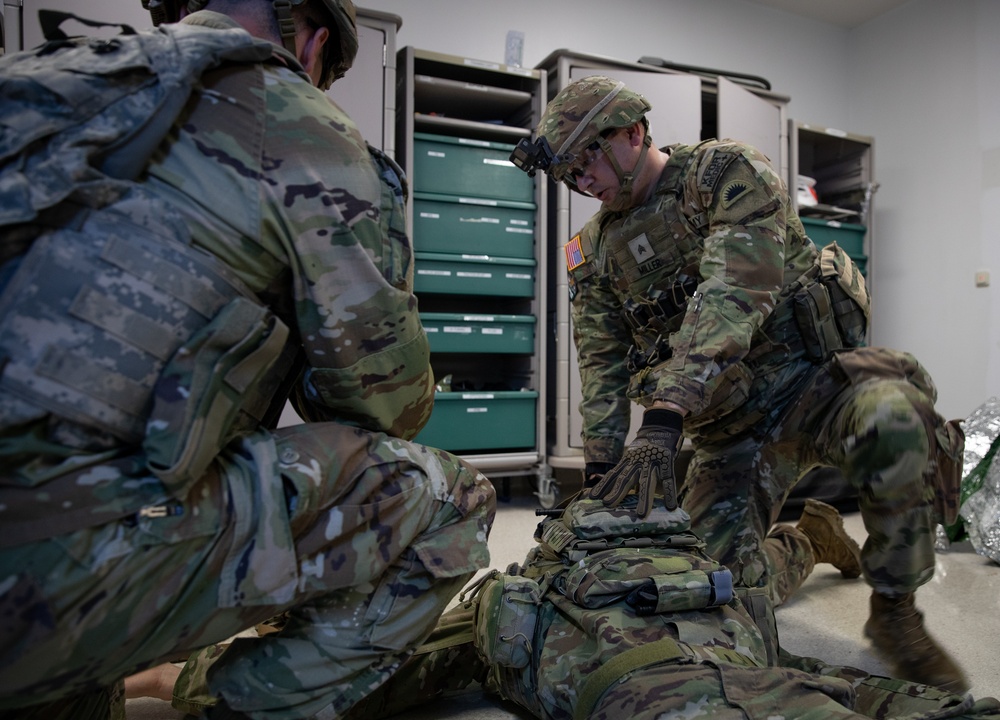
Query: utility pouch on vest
x=848 y=294
x=649 y=580
x=832 y=312
x=204 y=388
x=506 y=617
x=688 y=590
x=814 y=315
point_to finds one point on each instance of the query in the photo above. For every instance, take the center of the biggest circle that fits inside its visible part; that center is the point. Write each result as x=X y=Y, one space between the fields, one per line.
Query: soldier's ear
x=635 y=133
x=311 y=51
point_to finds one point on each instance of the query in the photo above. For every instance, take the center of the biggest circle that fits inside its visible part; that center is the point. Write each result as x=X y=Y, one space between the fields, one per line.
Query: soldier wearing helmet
x=242 y=247
x=332 y=27
x=696 y=293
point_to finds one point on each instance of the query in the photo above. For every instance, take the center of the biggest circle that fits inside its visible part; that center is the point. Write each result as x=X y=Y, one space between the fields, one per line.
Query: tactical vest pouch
x=693 y=589
x=650 y=581
x=848 y=294
x=203 y=389
x=814 y=314
x=832 y=313
x=506 y=617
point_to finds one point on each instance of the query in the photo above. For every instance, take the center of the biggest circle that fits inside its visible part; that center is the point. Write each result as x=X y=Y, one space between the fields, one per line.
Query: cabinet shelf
x=475 y=129
x=822 y=211
x=479 y=254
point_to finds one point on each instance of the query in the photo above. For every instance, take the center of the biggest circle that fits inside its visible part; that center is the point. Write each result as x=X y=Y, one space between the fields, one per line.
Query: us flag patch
x=574 y=254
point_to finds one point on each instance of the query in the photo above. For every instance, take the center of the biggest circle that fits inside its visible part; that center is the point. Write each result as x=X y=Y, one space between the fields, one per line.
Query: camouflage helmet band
x=582 y=125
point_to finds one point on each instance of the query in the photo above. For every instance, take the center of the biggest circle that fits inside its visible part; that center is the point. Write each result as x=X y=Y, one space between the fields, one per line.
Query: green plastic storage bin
x=478 y=226
x=468 y=168
x=473 y=275
x=501 y=420
x=454 y=332
x=849 y=236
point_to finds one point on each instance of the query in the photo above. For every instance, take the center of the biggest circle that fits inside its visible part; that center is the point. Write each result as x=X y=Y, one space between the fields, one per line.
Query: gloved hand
x=648 y=460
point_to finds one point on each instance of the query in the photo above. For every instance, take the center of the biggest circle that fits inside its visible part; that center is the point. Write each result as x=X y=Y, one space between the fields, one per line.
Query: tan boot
x=824 y=527
x=896 y=629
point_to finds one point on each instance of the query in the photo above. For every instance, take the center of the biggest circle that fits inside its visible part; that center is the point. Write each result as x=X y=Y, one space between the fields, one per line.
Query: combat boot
x=824 y=527
x=896 y=629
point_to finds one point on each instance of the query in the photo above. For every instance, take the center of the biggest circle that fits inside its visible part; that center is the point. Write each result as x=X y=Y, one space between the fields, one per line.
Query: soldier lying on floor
x=613 y=616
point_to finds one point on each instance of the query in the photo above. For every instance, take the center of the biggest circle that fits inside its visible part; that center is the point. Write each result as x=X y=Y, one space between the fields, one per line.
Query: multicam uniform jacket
x=291 y=203
x=670 y=299
x=145 y=511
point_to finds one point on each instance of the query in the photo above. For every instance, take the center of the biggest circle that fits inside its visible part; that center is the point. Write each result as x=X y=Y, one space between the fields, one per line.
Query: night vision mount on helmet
x=581 y=117
x=335 y=64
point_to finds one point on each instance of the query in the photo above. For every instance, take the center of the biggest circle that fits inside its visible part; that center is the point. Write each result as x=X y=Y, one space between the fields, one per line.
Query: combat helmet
x=335 y=64
x=577 y=119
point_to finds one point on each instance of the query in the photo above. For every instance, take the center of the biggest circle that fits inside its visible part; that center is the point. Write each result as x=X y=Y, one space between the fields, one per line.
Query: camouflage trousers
x=359 y=538
x=798 y=687
x=868 y=412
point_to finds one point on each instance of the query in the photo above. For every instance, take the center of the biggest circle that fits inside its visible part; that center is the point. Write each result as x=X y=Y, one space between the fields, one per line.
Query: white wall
x=801 y=58
x=923 y=80
x=926 y=84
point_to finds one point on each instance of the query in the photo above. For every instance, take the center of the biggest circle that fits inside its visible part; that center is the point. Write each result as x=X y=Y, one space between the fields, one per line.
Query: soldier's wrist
x=662 y=417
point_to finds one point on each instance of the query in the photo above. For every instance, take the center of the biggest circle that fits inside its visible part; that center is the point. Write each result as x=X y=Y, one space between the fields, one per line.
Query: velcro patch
x=710 y=177
x=574 y=254
x=734 y=191
x=642 y=251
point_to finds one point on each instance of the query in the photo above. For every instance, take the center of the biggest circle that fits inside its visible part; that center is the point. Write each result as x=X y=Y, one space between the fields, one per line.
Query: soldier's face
x=597 y=175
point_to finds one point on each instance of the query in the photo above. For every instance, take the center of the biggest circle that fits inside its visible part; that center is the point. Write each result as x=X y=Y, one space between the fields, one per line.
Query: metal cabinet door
x=744 y=116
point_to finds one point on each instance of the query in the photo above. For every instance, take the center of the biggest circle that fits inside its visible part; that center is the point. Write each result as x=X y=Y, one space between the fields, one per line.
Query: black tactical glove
x=594 y=471
x=648 y=460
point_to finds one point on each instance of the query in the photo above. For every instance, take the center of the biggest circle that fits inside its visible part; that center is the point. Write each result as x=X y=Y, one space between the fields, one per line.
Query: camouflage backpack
x=604 y=594
x=109 y=318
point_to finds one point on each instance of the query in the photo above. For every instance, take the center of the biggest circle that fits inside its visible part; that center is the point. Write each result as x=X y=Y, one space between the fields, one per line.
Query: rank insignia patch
x=641 y=250
x=734 y=191
x=574 y=254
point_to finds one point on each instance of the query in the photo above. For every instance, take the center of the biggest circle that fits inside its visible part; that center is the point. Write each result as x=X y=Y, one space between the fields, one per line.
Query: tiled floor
x=961 y=606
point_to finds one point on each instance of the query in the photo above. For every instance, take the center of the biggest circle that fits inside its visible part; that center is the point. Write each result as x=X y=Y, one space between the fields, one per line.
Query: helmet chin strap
x=623 y=198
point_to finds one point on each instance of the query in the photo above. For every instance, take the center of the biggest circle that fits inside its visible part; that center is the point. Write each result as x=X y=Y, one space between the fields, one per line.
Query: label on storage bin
x=495 y=161
x=486 y=276
x=517 y=276
x=494 y=221
x=477 y=143
x=478 y=201
x=445 y=273
x=492 y=331
x=477 y=318
x=432 y=216
x=477 y=396
x=523 y=231
x=435 y=153
x=463 y=329
x=477 y=410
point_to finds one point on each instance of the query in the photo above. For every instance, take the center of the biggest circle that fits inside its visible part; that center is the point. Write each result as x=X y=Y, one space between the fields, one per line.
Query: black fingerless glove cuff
x=597 y=468
x=663 y=418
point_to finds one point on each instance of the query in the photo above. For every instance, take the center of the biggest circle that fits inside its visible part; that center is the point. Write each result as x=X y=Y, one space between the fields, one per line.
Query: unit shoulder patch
x=734 y=191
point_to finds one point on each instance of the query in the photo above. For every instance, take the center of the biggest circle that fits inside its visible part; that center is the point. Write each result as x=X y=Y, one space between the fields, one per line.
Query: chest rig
x=652 y=256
